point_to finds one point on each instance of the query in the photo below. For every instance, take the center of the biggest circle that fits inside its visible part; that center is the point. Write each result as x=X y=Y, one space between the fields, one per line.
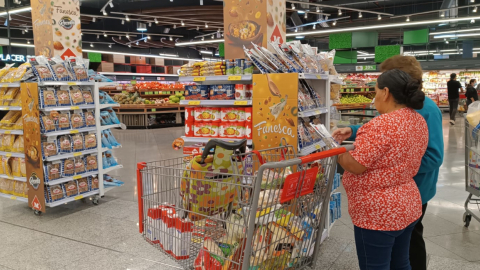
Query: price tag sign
x=194 y=102
x=10 y=177
x=8 y=132
x=317 y=112
x=76 y=177
x=234 y=78
x=6 y=108
x=319 y=77
x=74 y=131
x=74 y=108
x=79 y=197
x=240 y=102
x=317 y=146
x=13 y=197
x=72 y=83
x=8 y=155
x=199 y=79
x=77 y=154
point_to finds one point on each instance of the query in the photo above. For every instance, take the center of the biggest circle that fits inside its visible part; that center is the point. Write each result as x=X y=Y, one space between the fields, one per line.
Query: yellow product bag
x=7 y=142
x=11 y=117
x=7 y=166
x=22 y=69
x=9 y=76
x=3 y=185
x=11 y=93
x=19 y=124
x=16 y=171
x=23 y=168
x=19 y=189
x=18 y=145
x=3 y=91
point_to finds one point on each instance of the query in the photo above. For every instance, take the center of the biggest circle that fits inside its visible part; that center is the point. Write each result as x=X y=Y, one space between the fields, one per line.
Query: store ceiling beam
x=167 y=17
x=336 y=7
x=122 y=33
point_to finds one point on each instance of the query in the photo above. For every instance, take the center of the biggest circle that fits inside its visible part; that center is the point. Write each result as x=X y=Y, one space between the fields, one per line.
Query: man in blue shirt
x=427 y=175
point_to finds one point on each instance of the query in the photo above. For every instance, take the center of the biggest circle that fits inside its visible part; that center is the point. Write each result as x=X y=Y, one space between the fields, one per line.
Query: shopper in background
x=471 y=93
x=453 y=96
x=427 y=176
x=383 y=199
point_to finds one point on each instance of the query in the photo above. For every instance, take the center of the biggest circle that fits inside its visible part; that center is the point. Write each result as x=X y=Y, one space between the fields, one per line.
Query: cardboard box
x=158 y=62
x=176 y=69
x=105 y=67
x=137 y=60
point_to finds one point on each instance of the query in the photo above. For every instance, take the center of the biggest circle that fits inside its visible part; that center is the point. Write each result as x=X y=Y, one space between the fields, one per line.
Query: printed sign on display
x=304 y=179
x=34 y=181
x=66 y=22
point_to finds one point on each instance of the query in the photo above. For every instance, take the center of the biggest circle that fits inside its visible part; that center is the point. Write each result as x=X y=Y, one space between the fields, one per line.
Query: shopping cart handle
x=241 y=145
x=326 y=154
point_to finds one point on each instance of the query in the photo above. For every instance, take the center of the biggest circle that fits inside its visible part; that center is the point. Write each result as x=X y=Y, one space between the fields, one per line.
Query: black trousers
x=418 y=252
x=453 y=108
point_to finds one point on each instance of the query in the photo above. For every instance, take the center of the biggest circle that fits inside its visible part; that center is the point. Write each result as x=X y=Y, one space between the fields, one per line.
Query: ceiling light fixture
x=98 y=36
x=26 y=30
x=339 y=12
x=81 y=34
x=203 y=38
x=174 y=26
x=91 y=45
x=127 y=36
x=119 y=37
x=150 y=24
x=141 y=27
x=166 y=54
x=129 y=45
x=136 y=43
x=94 y=19
x=28 y=41
x=198 y=27
x=408 y=19
x=474 y=9
x=334 y=23
x=105 y=34
x=318 y=9
x=360 y=15
x=314 y=26
x=145 y=40
x=123 y=21
x=306 y=15
x=213 y=36
x=105 y=13
x=446 y=41
x=171 y=39
x=110 y=46
x=293 y=6
x=296 y=30
x=206 y=52
x=127 y=18
x=111 y=3
x=379 y=17
x=206 y=25
x=472 y=21
x=155 y=20
x=18 y=10
x=149 y=37
x=472 y=1
x=199 y=42
x=183 y=24
x=442 y=14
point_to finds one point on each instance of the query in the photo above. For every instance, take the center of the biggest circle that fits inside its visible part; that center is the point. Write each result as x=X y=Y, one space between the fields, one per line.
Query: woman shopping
x=383 y=199
x=471 y=93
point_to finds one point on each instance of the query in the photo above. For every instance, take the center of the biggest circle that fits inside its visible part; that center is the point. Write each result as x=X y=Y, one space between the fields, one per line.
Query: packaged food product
x=228 y=130
x=18 y=145
x=82 y=185
x=87 y=96
x=48 y=123
x=196 y=92
x=78 y=69
x=63 y=98
x=49 y=149
x=23 y=168
x=59 y=70
x=230 y=67
x=68 y=167
x=41 y=68
x=77 y=97
x=11 y=117
x=240 y=91
x=4 y=185
x=18 y=124
x=215 y=114
x=2 y=170
x=113 y=116
x=111 y=138
x=92 y=163
x=8 y=77
x=200 y=128
x=53 y=171
x=79 y=165
x=3 y=90
x=71 y=188
x=77 y=142
x=7 y=165
x=249 y=91
x=105 y=118
x=189 y=129
x=10 y=186
x=189 y=114
x=247 y=67
x=19 y=189
x=56 y=192
x=228 y=114
x=90 y=141
x=94 y=182
x=199 y=114
x=248 y=114
x=77 y=120
x=16 y=171
x=248 y=130
x=240 y=130
x=89 y=119
x=110 y=159
x=7 y=142
x=214 y=128
x=5 y=69
x=222 y=92
x=240 y=114
x=65 y=144
x=16 y=101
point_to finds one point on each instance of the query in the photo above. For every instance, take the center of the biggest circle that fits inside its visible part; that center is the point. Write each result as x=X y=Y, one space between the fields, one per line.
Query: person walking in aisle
x=453 y=96
x=471 y=93
x=383 y=199
x=427 y=176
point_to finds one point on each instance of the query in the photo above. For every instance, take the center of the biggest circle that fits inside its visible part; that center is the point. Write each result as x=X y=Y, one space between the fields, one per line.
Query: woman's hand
x=342 y=134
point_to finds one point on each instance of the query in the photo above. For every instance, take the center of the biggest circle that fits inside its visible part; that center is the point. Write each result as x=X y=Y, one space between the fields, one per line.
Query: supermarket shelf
x=335 y=80
x=139 y=74
x=17 y=84
x=324 y=235
x=10 y=108
x=358 y=114
x=313 y=112
x=358 y=93
x=69 y=108
x=54 y=83
x=106 y=149
x=110 y=126
x=21 y=179
x=69 y=131
x=71 y=199
x=13 y=197
x=216 y=79
x=103 y=106
x=313 y=76
x=206 y=139
x=11 y=131
x=69 y=155
x=109 y=169
x=66 y=179
x=216 y=102
x=12 y=154
x=312 y=148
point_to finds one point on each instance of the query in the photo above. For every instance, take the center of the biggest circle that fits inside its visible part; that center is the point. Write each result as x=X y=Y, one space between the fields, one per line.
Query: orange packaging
x=240 y=114
x=228 y=130
x=240 y=133
x=229 y=114
x=197 y=129
x=248 y=114
x=206 y=129
x=189 y=114
x=214 y=128
x=189 y=129
x=215 y=114
x=202 y=114
x=248 y=130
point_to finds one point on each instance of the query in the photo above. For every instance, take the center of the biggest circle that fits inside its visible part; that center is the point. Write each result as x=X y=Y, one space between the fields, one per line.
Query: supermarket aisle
x=83 y=236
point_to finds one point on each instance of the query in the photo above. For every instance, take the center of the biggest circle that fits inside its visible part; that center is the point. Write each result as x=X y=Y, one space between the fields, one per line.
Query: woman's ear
x=386 y=94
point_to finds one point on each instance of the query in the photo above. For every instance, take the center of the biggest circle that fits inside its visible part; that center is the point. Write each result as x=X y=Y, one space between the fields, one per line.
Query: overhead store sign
x=366 y=68
x=14 y=57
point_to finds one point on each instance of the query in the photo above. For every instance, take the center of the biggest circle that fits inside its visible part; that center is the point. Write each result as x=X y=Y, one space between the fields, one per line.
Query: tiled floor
x=82 y=236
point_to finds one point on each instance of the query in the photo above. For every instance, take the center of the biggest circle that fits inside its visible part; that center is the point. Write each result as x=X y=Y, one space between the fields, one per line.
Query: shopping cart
x=272 y=214
x=472 y=172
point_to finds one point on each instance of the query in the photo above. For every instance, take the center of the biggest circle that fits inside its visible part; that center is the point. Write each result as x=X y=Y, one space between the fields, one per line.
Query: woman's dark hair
x=453 y=76
x=471 y=81
x=404 y=89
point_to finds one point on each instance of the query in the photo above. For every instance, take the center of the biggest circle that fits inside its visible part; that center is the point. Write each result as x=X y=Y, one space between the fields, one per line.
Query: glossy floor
x=82 y=236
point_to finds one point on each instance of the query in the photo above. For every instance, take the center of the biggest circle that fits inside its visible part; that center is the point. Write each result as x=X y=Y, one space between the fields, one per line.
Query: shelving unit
x=206 y=139
x=216 y=102
x=9 y=84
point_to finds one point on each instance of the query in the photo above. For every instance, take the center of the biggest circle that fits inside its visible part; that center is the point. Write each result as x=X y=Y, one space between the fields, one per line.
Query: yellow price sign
x=72 y=83
x=199 y=79
x=319 y=77
x=234 y=78
x=73 y=131
x=240 y=102
x=10 y=177
x=8 y=155
x=77 y=154
x=317 y=146
x=74 y=108
x=8 y=132
x=4 y=85
x=194 y=103
x=317 y=112
x=76 y=177
x=6 y=108
x=13 y=197
x=79 y=197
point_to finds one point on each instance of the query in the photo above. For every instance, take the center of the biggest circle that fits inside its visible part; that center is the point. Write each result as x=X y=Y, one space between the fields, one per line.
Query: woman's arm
x=350 y=164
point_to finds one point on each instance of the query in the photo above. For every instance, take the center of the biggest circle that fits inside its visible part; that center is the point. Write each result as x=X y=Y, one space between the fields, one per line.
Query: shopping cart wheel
x=95 y=201
x=467 y=218
x=37 y=213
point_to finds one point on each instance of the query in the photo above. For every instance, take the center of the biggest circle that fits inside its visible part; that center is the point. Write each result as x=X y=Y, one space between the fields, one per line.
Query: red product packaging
x=207 y=129
x=248 y=130
x=240 y=114
x=240 y=90
x=228 y=114
x=240 y=132
x=249 y=91
x=189 y=129
x=214 y=128
x=202 y=114
x=248 y=114
x=192 y=150
x=152 y=225
x=200 y=128
x=215 y=114
x=182 y=239
x=189 y=114
x=228 y=130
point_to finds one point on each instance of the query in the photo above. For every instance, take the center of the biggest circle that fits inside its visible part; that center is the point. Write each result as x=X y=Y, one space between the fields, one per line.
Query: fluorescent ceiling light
x=455 y=31
x=380 y=26
x=18 y=10
x=206 y=52
x=457 y=35
x=22 y=45
x=300 y=37
x=199 y=42
x=171 y=55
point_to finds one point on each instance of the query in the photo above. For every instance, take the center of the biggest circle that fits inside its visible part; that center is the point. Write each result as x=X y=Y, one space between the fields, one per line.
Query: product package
x=90 y=141
x=64 y=121
x=59 y=70
x=18 y=145
x=78 y=68
x=94 y=183
x=111 y=139
x=55 y=193
x=77 y=119
x=92 y=163
x=87 y=96
x=65 y=144
x=89 y=119
x=68 y=167
x=63 y=97
x=41 y=68
x=79 y=165
x=52 y=170
x=49 y=149
x=76 y=96
x=47 y=123
x=71 y=188
x=78 y=142
x=105 y=118
x=83 y=185
x=113 y=115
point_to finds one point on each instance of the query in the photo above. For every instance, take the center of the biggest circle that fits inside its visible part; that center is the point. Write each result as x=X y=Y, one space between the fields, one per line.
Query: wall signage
x=14 y=57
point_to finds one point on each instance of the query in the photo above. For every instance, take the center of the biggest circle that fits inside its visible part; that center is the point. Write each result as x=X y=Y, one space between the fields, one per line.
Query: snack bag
x=94 y=182
x=48 y=125
x=113 y=116
x=19 y=189
x=89 y=119
x=90 y=141
x=65 y=144
x=77 y=96
x=78 y=69
x=110 y=159
x=77 y=120
x=111 y=139
x=19 y=124
x=83 y=185
x=16 y=167
x=68 y=167
x=106 y=98
x=7 y=165
x=105 y=118
x=79 y=165
x=210 y=257
x=4 y=70
x=105 y=142
x=55 y=193
x=21 y=70
x=63 y=98
x=92 y=163
x=49 y=149
x=64 y=121
x=71 y=188
x=60 y=72
x=7 y=142
x=87 y=96
x=49 y=98
x=41 y=68
x=77 y=142
x=53 y=171
x=9 y=76
x=18 y=145
x=23 y=168
x=105 y=161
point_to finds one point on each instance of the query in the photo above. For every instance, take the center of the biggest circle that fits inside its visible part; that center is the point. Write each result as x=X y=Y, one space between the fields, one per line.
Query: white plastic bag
x=473 y=113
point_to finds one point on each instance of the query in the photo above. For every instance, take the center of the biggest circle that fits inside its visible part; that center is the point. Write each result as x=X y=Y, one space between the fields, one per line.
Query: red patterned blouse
x=391 y=146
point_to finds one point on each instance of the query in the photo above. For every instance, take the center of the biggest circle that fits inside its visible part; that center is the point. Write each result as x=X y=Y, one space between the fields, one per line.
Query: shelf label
x=10 y=177
x=317 y=146
x=319 y=77
x=74 y=108
x=74 y=131
x=6 y=108
x=199 y=79
x=77 y=154
x=7 y=132
x=8 y=155
x=4 y=85
x=13 y=197
x=76 y=177
x=317 y=112
x=79 y=197
x=234 y=78
x=240 y=102
x=72 y=83
x=194 y=103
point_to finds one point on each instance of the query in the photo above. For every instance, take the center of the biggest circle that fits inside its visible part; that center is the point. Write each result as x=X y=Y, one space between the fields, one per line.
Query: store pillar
x=265 y=21
x=57 y=28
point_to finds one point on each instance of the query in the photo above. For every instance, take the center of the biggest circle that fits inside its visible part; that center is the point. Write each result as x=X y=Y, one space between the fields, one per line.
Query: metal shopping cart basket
x=472 y=172
x=269 y=210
